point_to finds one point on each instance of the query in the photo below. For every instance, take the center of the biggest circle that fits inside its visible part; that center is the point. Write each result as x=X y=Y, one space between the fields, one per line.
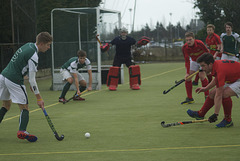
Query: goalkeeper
x=123 y=44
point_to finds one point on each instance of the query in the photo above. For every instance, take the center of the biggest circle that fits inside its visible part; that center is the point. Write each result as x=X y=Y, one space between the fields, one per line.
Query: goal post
x=74 y=29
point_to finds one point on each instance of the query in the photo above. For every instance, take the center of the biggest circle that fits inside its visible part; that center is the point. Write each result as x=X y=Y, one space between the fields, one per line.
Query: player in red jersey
x=193 y=49
x=227 y=82
x=213 y=43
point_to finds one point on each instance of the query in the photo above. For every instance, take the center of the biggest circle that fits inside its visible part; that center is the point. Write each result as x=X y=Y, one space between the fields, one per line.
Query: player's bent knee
x=6 y=104
x=212 y=94
x=70 y=80
x=22 y=107
x=228 y=92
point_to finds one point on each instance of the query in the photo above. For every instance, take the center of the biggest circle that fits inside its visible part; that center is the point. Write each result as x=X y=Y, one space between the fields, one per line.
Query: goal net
x=76 y=28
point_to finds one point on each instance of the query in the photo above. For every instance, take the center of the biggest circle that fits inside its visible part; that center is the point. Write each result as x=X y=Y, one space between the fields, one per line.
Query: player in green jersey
x=230 y=41
x=69 y=72
x=12 y=88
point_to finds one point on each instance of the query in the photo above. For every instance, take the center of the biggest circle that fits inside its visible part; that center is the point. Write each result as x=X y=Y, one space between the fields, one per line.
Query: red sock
x=227 y=107
x=204 y=84
x=208 y=104
x=188 y=85
x=196 y=78
x=209 y=76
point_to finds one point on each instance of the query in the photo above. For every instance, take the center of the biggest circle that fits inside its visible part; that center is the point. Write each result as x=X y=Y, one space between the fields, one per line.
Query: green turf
x=124 y=125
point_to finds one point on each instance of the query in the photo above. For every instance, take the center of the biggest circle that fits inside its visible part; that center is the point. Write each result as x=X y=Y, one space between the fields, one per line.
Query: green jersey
x=230 y=43
x=24 y=60
x=72 y=65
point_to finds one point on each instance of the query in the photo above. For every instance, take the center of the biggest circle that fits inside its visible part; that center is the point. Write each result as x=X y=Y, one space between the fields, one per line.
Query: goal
x=76 y=28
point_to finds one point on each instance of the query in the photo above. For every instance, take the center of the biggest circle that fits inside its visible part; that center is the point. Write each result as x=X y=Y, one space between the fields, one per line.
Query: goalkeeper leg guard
x=134 y=76
x=112 y=78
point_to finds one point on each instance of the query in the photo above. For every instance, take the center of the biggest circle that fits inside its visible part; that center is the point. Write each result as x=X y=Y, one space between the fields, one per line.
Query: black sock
x=65 y=89
x=3 y=111
x=81 y=88
x=24 y=118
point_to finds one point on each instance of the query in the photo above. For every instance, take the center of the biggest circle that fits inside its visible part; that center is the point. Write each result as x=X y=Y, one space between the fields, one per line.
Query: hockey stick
x=231 y=54
x=190 y=76
x=52 y=127
x=74 y=96
x=177 y=83
x=98 y=40
x=181 y=123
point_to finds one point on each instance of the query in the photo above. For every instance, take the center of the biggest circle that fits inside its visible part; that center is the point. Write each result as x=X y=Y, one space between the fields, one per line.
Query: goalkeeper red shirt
x=225 y=71
x=193 y=52
x=212 y=41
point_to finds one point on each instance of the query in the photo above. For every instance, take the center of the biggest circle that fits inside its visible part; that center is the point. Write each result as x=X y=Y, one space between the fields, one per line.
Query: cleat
x=112 y=88
x=224 y=123
x=26 y=135
x=194 y=114
x=194 y=83
x=78 y=98
x=62 y=100
x=135 y=87
x=187 y=101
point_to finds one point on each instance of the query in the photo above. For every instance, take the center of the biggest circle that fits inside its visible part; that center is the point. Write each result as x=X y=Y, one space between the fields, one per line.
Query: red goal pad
x=134 y=75
x=113 y=76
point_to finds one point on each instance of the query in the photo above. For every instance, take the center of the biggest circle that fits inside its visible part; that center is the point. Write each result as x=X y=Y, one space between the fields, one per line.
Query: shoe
x=112 y=88
x=194 y=114
x=224 y=123
x=78 y=98
x=188 y=101
x=62 y=100
x=194 y=83
x=135 y=87
x=26 y=135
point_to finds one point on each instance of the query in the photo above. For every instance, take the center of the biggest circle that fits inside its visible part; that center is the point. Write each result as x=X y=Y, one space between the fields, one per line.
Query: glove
x=143 y=41
x=213 y=118
x=105 y=47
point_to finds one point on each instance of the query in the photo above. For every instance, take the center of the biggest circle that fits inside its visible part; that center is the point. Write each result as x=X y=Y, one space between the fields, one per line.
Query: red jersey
x=212 y=42
x=193 y=52
x=225 y=71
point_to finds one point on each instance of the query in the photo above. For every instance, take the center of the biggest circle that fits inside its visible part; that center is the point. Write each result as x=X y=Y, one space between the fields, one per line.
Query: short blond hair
x=211 y=26
x=44 y=37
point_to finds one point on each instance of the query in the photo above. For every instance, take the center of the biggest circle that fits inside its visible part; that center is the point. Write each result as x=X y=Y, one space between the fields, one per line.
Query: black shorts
x=118 y=61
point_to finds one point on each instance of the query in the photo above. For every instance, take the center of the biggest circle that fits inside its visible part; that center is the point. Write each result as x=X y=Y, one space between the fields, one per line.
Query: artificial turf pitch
x=125 y=125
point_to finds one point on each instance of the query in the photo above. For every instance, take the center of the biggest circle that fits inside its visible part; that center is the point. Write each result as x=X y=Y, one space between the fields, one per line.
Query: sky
x=153 y=11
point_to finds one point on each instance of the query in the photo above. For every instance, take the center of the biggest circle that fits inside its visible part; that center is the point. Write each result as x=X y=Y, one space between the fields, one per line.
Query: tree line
x=215 y=12
x=21 y=20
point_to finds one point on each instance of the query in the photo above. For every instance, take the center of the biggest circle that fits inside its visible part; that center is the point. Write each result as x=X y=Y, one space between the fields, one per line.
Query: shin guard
x=113 y=77
x=134 y=76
